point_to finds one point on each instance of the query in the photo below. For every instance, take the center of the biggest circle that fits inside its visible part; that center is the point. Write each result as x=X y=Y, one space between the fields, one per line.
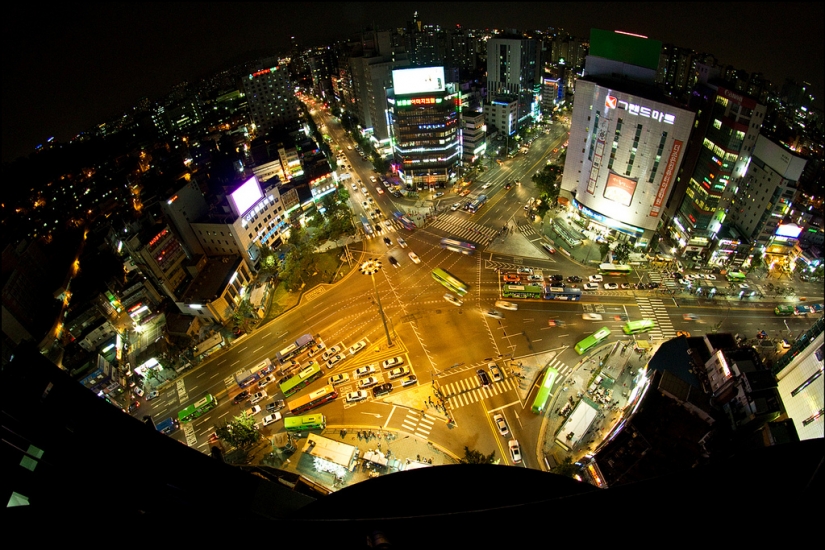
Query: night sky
x=70 y=66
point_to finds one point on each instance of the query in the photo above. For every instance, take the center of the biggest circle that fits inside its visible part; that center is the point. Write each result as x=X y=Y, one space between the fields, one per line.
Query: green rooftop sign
x=626 y=48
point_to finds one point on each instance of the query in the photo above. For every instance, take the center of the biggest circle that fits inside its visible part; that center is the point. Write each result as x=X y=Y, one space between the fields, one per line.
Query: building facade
x=271 y=98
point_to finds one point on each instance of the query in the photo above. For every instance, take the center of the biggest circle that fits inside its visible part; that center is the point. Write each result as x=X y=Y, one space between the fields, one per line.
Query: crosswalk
x=387 y=226
x=668 y=282
x=420 y=424
x=462 y=228
x=469 y=390
x=654 y=308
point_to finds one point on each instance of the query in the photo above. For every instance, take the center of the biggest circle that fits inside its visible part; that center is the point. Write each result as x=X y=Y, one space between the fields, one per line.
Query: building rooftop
x=211 y=281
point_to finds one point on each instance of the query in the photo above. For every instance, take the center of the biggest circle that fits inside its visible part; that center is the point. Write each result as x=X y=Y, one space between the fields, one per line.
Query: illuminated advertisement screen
x=619 y=189
x=788 y=230
x=418 y=81
x=246 y=195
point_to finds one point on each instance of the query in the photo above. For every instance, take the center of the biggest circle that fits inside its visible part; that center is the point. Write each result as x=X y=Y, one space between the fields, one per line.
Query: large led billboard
x=418 y=81
x=788 y=230
x=245 y=196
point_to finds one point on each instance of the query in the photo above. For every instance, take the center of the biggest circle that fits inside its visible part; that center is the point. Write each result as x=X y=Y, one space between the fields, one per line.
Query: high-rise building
x=271 y=99
x=513 y=65
x=473 y=136
x=626 y=140
x=719 y=152
x=425 y=126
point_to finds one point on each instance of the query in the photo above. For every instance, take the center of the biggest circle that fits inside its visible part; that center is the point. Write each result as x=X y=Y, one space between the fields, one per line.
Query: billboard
x=245 y=196
x=418 y=81
x=788 y=230
x=619 y=189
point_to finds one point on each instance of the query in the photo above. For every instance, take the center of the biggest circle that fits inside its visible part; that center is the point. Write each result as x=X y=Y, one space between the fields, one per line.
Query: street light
x=371 y=267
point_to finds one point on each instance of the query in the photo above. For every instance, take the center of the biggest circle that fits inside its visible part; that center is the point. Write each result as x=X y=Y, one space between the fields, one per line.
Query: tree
x=471 y=456
x=621 y=253
x=604 y=248
x=547 y=183
x=567 y=468
x=240 y=432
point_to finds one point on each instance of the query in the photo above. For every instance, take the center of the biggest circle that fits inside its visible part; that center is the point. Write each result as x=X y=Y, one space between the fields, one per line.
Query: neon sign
x=612 y=102
x=419 y=101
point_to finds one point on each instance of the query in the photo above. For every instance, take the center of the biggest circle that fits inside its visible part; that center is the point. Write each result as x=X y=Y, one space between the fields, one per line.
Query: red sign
x=667 y=177
x=610 y=102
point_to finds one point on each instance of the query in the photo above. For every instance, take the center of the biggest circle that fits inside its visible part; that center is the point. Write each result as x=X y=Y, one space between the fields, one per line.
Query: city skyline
x=80 y=66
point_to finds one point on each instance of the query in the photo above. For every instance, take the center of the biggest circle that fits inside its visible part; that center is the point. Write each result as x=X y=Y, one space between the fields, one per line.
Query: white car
x=592 y=316
x=414 y=257
x=710 y=276
x=398 y=372
x=453 y=300
x=611 y=286
x=330 y=352
x=525 y=270
x=591 y=286
x=366 y=370
x=515 y=451
x=338 y=379
x=506 y=305
x=409 y=381
x=486 y=185
x=317 y=348
x=364 y=190
x=365 y=383
x=138 y=391
x=271 y=418
x=494 y=314
x=501 y=424
x=356 y=396
x=495 y=372
x=402 y=243
x=266 y=381
x=253 y=410
x=595 y=278
x=392 y=362
x=357 y=346
x=335 y=359
x=258 y=397
x=455 y=206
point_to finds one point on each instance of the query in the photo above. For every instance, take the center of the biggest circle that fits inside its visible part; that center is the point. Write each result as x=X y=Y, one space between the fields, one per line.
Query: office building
x=425 y=126
x=271 y=98
x=626 y=141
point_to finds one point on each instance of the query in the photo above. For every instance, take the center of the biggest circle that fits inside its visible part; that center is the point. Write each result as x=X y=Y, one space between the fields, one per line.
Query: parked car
x=392 y=362
x=501 y=424
x=337 y=379
x=368 y=382
x=398 y=372
x=382 y=389
x=357 y=346
x=356 y=396
x=366 y=370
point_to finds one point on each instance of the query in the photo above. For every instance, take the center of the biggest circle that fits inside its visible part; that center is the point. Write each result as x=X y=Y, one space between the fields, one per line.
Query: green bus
x=545 y=389
x=305 y=422
x=451 y=282
x=522 y=291
x=735 y=277
x=614 y=269
x=784 y=309
x=634 y=327
x=199 y=407
x=592 y=340
x=302 y=379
